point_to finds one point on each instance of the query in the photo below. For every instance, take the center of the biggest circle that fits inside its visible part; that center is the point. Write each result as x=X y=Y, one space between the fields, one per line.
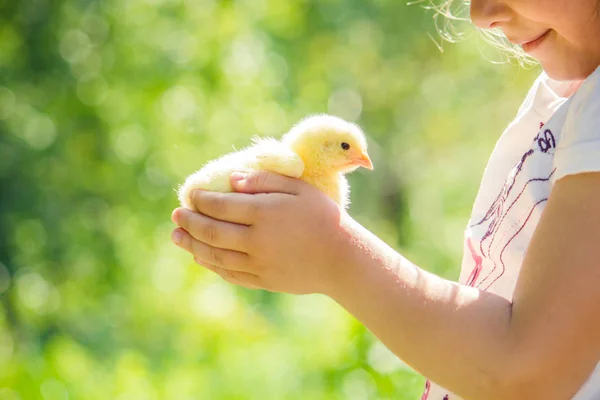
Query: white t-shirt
x=551 y=137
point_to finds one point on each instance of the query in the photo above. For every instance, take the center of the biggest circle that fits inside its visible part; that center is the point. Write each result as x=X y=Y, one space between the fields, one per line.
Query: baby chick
x=319 y=150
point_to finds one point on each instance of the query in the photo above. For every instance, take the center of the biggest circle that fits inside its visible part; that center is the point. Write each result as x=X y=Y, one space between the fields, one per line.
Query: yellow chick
x=319 y=150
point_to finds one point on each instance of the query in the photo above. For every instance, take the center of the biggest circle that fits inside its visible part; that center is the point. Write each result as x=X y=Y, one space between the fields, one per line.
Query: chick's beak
x=364 y=161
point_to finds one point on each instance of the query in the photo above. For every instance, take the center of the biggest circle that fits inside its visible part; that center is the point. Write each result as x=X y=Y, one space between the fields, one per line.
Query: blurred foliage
x=105 y=107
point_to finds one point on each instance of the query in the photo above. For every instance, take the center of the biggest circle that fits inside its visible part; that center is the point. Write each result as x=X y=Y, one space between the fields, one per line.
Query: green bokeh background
x=106 y=106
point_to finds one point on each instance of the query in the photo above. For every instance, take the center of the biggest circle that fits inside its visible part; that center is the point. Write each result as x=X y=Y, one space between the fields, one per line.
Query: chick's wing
x=264 y=154
x=273 y=155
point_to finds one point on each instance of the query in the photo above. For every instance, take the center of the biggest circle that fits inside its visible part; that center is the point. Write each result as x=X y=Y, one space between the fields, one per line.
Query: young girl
x=524 y=322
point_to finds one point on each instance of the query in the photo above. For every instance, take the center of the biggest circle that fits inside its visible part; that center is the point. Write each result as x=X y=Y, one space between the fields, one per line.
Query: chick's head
x=329 y=144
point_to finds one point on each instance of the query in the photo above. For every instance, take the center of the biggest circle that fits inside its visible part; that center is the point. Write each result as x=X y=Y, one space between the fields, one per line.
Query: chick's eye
x=345 y=146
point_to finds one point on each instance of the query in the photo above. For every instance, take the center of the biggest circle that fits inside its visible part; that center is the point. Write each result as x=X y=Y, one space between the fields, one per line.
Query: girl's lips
x=533 y=44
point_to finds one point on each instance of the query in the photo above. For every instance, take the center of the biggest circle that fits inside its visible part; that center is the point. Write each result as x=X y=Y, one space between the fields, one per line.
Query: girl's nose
x=487 y=14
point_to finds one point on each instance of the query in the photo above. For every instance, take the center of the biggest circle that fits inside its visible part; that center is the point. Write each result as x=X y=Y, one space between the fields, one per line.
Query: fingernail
x=177 y=236
x=175 y=217
x=239 y=177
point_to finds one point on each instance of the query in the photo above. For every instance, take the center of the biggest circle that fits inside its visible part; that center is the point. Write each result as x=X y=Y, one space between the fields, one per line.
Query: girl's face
x=563 y=35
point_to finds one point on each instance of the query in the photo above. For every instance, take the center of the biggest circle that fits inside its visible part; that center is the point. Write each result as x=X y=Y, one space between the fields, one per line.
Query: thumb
x=264 y=182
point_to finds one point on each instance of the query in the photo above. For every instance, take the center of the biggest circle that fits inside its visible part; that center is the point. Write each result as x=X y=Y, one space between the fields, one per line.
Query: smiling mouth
x=522 y=42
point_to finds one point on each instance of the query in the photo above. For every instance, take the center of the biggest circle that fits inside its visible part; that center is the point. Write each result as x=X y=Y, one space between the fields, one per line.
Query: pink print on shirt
x=478 y=263
x=426 y=392
x=495 y=216
x=427 y=389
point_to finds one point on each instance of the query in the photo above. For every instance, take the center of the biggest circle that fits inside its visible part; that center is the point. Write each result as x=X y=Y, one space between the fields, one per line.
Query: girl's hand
x=276 y=233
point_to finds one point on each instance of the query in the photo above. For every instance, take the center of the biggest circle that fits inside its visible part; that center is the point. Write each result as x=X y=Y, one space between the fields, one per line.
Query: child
x=524 y=322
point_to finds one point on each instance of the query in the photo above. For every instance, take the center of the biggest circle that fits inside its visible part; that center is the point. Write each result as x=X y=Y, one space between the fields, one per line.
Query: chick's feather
x=264 y=154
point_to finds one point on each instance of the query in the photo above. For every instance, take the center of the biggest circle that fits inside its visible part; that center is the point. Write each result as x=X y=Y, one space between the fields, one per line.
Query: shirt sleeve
x=578 y=150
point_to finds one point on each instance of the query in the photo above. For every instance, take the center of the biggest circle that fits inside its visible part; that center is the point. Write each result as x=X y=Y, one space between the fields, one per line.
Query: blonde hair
x=450 y=12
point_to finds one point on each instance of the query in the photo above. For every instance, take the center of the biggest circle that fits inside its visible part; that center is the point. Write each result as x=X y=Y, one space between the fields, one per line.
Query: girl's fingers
x=244 y=279
x=228 y=259
x=266 y=182
x=224 y=235
x=238 y=208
